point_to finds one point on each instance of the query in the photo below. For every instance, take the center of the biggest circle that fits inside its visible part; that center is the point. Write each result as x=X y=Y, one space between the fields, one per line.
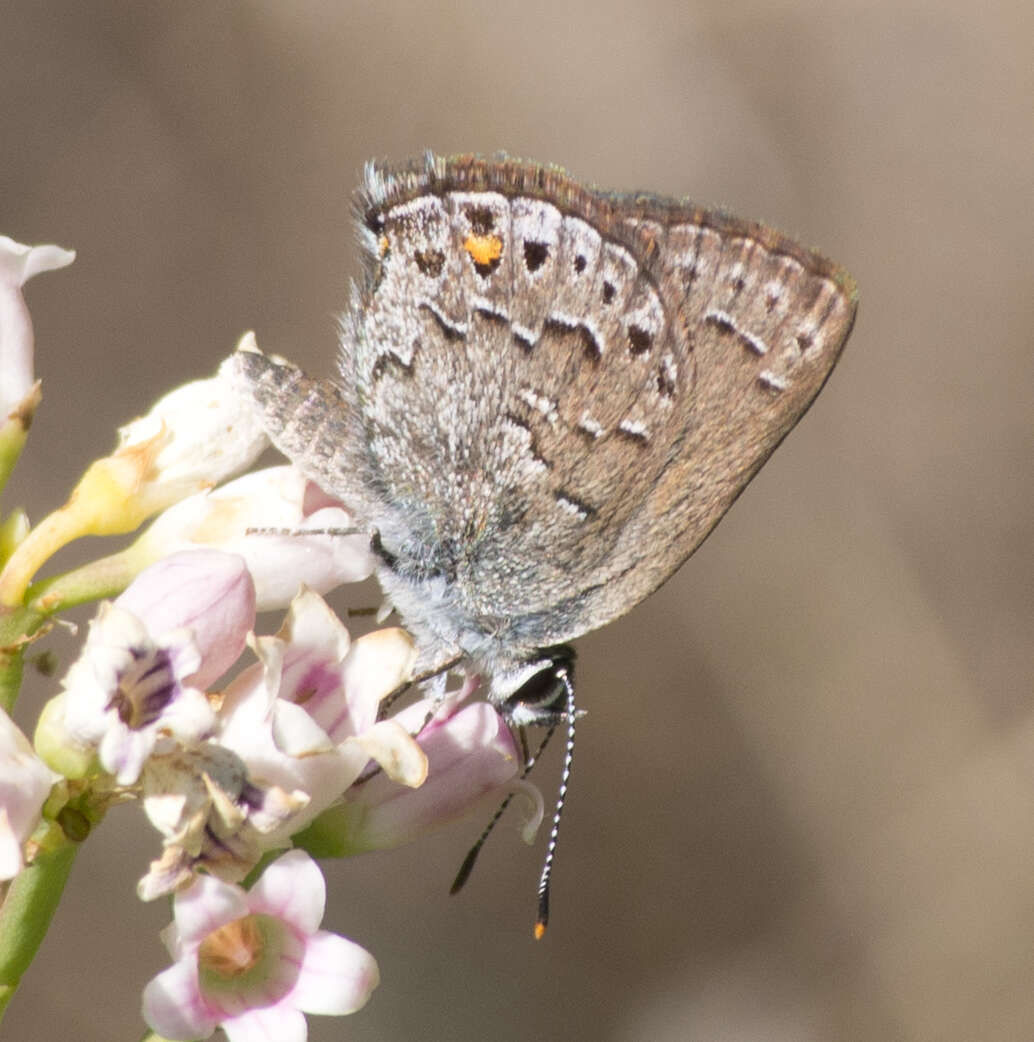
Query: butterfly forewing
x=563 y=390
x=765 y=322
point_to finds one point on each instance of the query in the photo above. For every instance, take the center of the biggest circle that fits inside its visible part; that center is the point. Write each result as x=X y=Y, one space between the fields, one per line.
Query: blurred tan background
x=803 y=807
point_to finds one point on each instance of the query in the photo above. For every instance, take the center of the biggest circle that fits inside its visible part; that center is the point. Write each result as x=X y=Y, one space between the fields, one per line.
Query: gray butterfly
x=548 y=396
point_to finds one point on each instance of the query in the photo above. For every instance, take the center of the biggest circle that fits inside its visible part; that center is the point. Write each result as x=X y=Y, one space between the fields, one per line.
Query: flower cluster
x=237 y=746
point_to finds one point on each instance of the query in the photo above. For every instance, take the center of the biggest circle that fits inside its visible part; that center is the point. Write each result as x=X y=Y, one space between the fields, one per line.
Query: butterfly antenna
x=542 y=921
x=472 y=855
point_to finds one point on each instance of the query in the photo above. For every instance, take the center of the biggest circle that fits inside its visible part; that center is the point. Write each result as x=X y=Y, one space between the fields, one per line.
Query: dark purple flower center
x=145 y=688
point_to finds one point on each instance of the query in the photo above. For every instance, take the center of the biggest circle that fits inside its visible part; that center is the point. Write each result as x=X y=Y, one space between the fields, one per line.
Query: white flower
x=264 y=517
x=470 y=752
x=25 y=782
x=193 y=438
x=305 y=717
x=254 y=962
x=294 y=731
x=208 y=591
x=136 y=687
x=125 y=695
x=213 y=815
x=18 y=264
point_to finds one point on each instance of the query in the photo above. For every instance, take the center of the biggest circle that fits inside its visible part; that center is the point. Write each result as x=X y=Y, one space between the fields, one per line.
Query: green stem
x=17 y=628
x=29 y=907
x=105 y=577
x=12 y=662
x=13 y=431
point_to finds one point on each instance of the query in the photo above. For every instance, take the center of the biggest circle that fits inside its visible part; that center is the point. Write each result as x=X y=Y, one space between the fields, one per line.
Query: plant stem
x=29 y=907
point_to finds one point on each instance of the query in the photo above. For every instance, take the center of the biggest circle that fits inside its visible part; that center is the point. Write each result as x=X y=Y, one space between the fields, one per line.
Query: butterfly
x=547 y=396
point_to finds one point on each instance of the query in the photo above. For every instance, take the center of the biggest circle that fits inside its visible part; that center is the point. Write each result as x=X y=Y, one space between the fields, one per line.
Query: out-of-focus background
x=803 y=807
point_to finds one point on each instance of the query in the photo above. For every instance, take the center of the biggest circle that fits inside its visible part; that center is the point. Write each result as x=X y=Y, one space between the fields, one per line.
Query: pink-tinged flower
x=126 y=696
x=213 y=815
x=254 y=962
x=135 y=688
x=305 y=717
x=18 y=264
x=264 y=516
x=470 y=752
x=208 y=591
x=25 y=782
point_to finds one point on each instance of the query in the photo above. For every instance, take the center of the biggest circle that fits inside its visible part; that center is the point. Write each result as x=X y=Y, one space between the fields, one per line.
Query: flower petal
x=279 y=1023
x=125 y=695
x=173 y=1005
x=204 y=906
x=25 y=782
x=264 y=516
x=292 y=888
x=196 y=436
x=18 y=264
x=337 y=976
x=207 y=591
x=470 y=754
x=394 y=748
x=376 y=664
x=10 y=848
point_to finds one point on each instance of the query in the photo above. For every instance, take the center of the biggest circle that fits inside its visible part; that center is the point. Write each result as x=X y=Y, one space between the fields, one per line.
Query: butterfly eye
x=542 y=698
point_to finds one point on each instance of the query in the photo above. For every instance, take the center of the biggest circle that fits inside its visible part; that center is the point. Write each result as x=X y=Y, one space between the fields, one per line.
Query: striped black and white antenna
x=571 y=714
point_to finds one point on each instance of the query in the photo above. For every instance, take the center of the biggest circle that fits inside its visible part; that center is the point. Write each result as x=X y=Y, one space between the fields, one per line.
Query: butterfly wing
x=550 y=395
x=563 y=390
x=765 y=321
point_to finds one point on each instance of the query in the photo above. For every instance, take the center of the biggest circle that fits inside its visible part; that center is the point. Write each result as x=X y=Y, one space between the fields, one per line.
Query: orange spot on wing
x=484 y=248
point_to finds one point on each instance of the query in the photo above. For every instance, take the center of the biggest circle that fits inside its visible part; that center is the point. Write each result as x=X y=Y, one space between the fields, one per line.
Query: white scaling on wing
x=670 y=369
x=725 y=321
x=480 y=249
x=706 y=260
x=574 y=289
x=489 y=307
x=635 y=428
x=539 y=223
x=738 y=277
x=755 y=343
x=496 y=204
x=618 y=270
x=590 y=426
x=453 y=325
x=775 y=294
x=419 y=226
x=540 y=403
x=580 y=239
x=809 y=335
x=683 y=245
x=423 y=209
x=773 y=381
x=524 y=333
x=571 y=508
x=644 y=320
x=804 y=341
x=517 y=444
x=574 y=322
